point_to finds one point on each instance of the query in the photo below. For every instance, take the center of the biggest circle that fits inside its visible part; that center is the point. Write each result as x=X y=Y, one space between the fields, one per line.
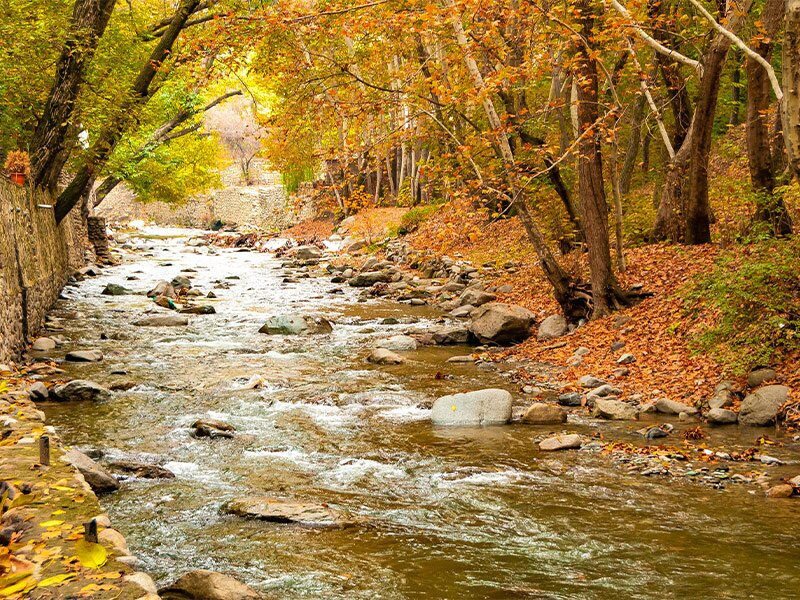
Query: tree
x=239 y=132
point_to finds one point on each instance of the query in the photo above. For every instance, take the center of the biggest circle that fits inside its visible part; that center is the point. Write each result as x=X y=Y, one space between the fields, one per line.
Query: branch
x=752 y=54
x=654 y=43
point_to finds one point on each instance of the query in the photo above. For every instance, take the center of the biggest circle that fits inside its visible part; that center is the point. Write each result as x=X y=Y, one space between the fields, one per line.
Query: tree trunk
x=791 y=86
x=111 y=134
x=606 y=293
x=634 y=143
x=770 y=207
x=48 y=146
x=736 y=91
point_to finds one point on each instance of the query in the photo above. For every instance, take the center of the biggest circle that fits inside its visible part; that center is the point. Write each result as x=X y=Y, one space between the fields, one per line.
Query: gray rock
x=100 y=480
x=43 y=344
x=399 y=343
x=467 y=358
x=38 y=392
x=163 y=288
x=275 y=510
x=560 y=442
x=475 y=297
x=307 y=253
x=721 y=416
x=207 y=585
x=590 y=382
x=722 y=398
x=758 y=377
x=462 y=312
x=762 y=406
x=608 y=408
x=570 y=399
x=382 y=356
x=450 y=335
x=141 y=470
x=626 y=359
x=671 y=407
x=502 y=324
x=296 y=324
x=370 y=278
x=113 y=289
x=204 y=309
x=540 y=413
x=603 y=391
x=482 y=407
x=84 y=356
x=181 y=283
x=80 y=390
x=552 y=327
x=162 y=321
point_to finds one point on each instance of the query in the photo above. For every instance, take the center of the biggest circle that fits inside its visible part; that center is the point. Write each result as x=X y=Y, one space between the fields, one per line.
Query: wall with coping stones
x=36 y=259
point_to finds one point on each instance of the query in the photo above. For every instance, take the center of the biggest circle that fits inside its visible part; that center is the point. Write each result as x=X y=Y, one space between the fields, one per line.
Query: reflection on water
x=453 y=514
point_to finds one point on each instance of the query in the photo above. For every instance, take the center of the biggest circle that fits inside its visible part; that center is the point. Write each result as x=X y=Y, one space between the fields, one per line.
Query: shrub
x=752 y=300
x=415 y=217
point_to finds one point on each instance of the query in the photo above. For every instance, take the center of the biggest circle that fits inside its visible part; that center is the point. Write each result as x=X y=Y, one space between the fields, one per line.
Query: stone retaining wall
x=36 y=258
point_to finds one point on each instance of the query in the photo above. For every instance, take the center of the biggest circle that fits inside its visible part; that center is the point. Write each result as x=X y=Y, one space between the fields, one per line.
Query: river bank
x=315 y=422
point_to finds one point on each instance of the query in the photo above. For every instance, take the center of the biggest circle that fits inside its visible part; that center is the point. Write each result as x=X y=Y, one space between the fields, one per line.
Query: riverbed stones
x=181 y=283
x=450 y=335
x=564 y=441
x=383 y=356
x=370 y=278
x=132 y=468
x=723 y=396
x=761 y=407
x=213 y=429
x=162 y=288
x=163 y=321
x=552 y=327
x=38 y=392
x=207 y=585
x=570 y=399
x=471 y=409
x=503 y=324
x=399 y=343
x=307 y=253
x=275 y=510
x=671 y=407
x=79 y=390
x=44 y=344
x=602 y=391
x=541 y=413
x=84 y=356
x=203 y=309
x=114 y=289
x=590 y=382
x=614 y=410
x=296 y=324
x=100 y=480
x=782 y=490
x=475 y=297
x=461 y=359
x=626 y=359
x=758 y=377
x=722 y=416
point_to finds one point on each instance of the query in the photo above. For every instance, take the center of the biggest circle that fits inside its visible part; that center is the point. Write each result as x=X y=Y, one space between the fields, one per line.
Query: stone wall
x=36 y=258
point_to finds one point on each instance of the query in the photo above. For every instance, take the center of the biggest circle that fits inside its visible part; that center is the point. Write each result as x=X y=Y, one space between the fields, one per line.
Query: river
x=452 y=513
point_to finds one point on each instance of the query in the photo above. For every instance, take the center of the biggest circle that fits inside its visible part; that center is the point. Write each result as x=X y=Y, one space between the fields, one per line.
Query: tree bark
x=48 y=147
x=791 y=85
x=111 y=134
x=634 y=143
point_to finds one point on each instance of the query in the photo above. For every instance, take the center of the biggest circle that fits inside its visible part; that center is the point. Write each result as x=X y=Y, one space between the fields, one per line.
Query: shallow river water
x=453 y=513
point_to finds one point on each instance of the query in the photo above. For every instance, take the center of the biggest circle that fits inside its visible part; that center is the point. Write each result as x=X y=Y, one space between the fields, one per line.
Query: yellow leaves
x=91 y=555
x=88 y=591
x=56 y=579
x=54 y=523
x=21 y=586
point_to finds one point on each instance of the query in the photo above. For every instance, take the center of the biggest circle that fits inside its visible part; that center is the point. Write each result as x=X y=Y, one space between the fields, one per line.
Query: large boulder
x=762 y=406
x=162 y=288
x=383 y=356
x=370 y=278
x=208 y=585
x=482 y=407
x=450 y=335
x=79 y=390
x=296 y=324
x=100 y=480
x=162 y=321
x=552 y=327
x=275 y=510
x=540 y=413
x=497 y=323
x=399 y=343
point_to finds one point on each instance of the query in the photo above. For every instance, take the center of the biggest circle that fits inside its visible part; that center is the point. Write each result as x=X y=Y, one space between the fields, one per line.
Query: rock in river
x=722 y=416
x=43 y=344
x=163 y=288
x=295 y=324
x=761 y=407
x=370 y=278
x=212 y=429
x=100 y=480
x=113 y=289
x=382 y=356
x=80 y=389
x=132 y=468
x=84 y=356
x=552 y=327
x=471 y=409
x=208 y=585
x=399 y=343
x=205 y=309
x=501 y=323
x=540 y=413
x=560 y=442
x=163 y=321
x=608 y=408
x=671 y=407
x=275 y=510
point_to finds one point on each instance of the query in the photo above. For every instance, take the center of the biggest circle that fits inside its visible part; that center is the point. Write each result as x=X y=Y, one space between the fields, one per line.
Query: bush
x=752 y=297
x=415 y=217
